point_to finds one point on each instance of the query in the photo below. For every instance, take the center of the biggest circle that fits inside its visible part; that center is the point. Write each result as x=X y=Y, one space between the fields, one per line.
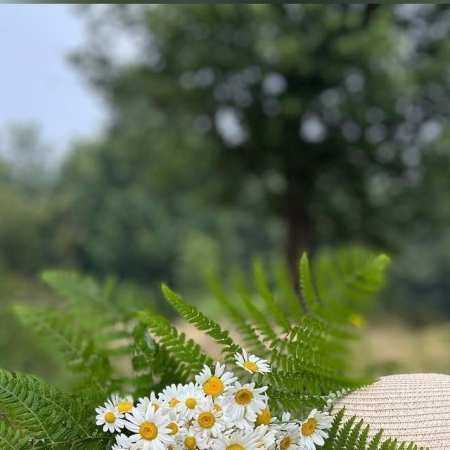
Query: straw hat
x=413 y=407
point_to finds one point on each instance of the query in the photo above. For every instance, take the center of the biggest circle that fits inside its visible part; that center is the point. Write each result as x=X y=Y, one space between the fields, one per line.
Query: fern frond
x=344 y=433
x=257 y=317
x=78 y=349
x=154 y=368
x=272 y=308
x=203 y=323
x=334 y=430
x=185 y=351
x=353 y=435
x=306 y=283
x=346 y=281
x=40 y=411
x=92 y=301
x=75 y=288
x=363 y=437
x=248 y=333
x=300 y=391
x=375 y=441
x=12 y=438
x=287 y=291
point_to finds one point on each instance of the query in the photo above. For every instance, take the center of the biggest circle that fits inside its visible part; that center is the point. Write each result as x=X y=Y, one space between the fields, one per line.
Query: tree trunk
x=299 y=231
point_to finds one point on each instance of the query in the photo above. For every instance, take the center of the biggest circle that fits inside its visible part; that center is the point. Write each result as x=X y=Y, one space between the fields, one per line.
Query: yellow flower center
x=148 y=430
x=191 y=403
x=251 y=366
x=125 y=406
x=173 y=427
x=206 y=419
x=213 y=386
x=190 y=443
x=110 y=417
x=264 y=417
x=309 y=426
x=285 y=443
x=174 y=402
x=243 y=397
x=235 y=447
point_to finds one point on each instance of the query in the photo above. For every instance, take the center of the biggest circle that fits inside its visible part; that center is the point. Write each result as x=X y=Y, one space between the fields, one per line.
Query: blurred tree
x=129 y=208
x=326 y=109
x=27 y=209
x=27 y=156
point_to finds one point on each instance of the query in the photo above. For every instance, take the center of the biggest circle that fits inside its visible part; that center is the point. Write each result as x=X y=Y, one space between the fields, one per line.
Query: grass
x=395 y=347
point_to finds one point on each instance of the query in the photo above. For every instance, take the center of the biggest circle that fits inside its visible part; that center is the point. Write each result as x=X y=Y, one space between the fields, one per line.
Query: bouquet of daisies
x=218 y=412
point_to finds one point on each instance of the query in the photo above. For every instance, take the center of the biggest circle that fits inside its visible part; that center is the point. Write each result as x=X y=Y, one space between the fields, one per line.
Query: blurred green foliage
x=18 y=348
x=241 y=130
x=334 y=113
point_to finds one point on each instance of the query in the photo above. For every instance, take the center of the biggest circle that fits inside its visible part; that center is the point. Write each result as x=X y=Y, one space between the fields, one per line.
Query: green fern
x=254 y=315
x=346 y=281
x=189 y=355
x=41 y=416
x=305 y=335
x=308 y=354
x=272 y=307
x=80 y=352
x=203 y=323
x=152 y=364
x=12 y=438
x=250 y=337
x=354 y=435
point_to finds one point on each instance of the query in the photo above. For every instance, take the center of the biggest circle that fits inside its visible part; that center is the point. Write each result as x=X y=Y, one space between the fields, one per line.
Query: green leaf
x=238 y=318
x=12 y=438
x=63 y=333
x=187 y=352
x=264 y=291
x=203 y=323
x=306 y=283
x=40 y=411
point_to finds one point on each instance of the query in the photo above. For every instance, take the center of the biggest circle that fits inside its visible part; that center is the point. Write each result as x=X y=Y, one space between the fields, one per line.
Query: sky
x=37 y=83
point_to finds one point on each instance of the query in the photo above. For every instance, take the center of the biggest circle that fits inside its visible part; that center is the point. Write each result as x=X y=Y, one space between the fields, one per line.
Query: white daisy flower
x=265 y=436
x=170 y=396
x=145 y=402
x=189 y=440
x=264 y=417
x=191 y=397
x=252 y=363
x=109 y=417
x=176 y=423
x=238 y=440
x=289 y=438
x=208 y=422
x=123 y=442
x=216 y=383
x=123 y=404
x=244 y=402
x=313 y=429
x=150 y=428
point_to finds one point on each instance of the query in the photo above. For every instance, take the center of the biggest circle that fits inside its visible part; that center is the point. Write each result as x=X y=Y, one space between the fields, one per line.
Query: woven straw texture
x=414 y=407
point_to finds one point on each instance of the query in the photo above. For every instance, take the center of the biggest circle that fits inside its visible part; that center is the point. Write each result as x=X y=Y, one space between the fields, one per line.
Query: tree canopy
x=333 y=112
x=236 y=130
